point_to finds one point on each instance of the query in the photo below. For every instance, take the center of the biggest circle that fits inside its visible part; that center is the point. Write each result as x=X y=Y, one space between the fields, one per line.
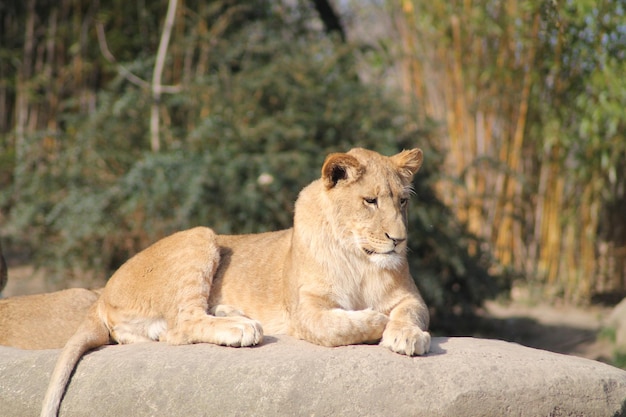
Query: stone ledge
x=284 y=376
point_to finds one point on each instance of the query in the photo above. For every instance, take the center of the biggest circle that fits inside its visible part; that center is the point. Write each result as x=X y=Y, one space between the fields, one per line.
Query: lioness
x=338 y=277
x=43 y=321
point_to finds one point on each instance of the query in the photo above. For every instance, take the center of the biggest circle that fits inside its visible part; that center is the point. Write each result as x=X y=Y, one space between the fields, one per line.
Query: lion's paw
x=374 y=319
x=406 y=339
x=251 y=333
x=371 y=324
x=239 y=332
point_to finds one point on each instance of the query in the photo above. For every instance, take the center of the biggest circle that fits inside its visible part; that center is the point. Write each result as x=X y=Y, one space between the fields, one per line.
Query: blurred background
x=122 y=122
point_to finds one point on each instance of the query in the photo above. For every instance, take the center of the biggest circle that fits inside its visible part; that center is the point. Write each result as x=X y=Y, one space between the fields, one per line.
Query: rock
x=285 y=376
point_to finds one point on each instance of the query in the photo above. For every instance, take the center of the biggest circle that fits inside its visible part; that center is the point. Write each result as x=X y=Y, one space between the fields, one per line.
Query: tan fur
x=43 y=321
x=338 y=277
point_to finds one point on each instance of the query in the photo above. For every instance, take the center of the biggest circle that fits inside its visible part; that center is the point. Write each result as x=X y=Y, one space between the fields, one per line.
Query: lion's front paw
x=406 y=339
x=371 y=324
x=251 y=333
x=374 y=320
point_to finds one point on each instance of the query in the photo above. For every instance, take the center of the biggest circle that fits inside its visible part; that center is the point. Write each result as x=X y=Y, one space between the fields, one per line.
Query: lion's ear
x=340 y=167
x=409 y=162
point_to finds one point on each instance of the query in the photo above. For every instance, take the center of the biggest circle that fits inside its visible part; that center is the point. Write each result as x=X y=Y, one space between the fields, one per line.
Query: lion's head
x=366 y=196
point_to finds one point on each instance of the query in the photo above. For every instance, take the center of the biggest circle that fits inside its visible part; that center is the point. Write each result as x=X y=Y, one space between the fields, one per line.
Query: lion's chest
x=358 y=291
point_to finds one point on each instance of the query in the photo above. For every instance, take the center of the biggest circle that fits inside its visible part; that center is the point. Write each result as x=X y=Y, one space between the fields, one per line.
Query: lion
x=44 y=321
x=339 y=276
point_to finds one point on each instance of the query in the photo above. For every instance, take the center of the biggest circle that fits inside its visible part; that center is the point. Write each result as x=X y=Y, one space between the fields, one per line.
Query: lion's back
x=46 y=321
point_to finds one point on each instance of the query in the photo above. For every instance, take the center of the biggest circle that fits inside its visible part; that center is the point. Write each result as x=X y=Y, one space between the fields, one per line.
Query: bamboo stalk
x=457 y=97
x=503 y=240
x=544 y=236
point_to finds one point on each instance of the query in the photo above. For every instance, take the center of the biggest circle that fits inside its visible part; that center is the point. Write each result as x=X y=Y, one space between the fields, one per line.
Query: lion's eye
x=403 y=202
x=371 y=201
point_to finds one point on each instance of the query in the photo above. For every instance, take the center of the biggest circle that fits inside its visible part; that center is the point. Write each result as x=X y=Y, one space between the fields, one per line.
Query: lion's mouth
x=373 y=252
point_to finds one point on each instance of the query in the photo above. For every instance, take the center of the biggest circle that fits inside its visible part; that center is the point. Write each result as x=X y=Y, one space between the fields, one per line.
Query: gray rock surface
x=288 y=377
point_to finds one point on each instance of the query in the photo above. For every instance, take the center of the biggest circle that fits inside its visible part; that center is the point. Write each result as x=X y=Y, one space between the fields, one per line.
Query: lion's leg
x=338 y=327
x=188 y=275
x=223 y=310
x=406 y=331
x=196 y=326
x=137 y=331
x=189 y=322
x=323 y=324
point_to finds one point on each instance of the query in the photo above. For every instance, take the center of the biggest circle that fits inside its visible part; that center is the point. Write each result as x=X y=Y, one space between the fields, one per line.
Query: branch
x=156 y=75
x=104 y=49
x=162 y=51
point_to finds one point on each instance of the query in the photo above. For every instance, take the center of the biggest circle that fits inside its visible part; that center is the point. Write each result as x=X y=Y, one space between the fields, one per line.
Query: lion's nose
x=395 y=240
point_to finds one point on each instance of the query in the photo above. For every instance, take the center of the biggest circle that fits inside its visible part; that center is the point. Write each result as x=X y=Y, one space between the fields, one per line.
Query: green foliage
x=618 y=358
x=239 y=142
x=582 y=61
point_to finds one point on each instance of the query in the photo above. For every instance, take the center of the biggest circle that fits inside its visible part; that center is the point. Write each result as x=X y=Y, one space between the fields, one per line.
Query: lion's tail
x=91 y=334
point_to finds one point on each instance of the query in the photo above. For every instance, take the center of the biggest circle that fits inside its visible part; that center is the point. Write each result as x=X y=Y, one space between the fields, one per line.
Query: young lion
x=338 y=277
x=43 y=321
